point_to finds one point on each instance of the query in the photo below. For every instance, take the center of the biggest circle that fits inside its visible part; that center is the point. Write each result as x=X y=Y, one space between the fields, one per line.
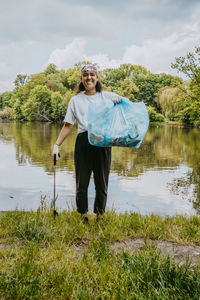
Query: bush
x=197 y=123
x=190 y=114
x=6 y=113
x=154 y=116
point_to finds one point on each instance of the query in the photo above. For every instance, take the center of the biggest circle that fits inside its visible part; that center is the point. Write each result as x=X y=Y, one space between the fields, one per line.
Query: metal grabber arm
x=55 y=213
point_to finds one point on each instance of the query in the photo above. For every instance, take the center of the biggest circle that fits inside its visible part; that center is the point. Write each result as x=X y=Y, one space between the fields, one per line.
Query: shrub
x=154 y=116
x=6 y=113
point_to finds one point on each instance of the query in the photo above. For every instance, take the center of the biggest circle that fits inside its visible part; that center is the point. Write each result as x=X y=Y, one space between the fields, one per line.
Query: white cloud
x=154 y=54
x=53 y=20
x=10 y=60
x=158 y=54
x=71 y=54
x=134 y=33
x=103 y=61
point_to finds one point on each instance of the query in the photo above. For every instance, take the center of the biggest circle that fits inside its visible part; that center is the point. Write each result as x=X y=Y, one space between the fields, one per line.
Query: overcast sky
x=150 y=33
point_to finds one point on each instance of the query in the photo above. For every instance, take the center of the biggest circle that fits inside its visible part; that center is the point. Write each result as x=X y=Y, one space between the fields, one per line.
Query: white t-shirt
x=78 y=108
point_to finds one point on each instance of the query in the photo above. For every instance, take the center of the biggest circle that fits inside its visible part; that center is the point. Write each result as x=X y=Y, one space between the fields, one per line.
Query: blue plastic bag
x=124 y=124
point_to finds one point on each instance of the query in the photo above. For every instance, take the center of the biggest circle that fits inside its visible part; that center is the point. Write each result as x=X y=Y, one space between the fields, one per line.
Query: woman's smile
x=89 y=80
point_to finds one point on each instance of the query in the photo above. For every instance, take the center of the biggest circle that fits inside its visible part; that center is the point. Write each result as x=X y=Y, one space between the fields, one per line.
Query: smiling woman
x=88 y=158
x=89 y=83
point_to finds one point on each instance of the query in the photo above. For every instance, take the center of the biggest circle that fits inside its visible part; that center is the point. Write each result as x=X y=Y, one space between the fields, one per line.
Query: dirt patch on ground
x=180 y=253
x=5 y=246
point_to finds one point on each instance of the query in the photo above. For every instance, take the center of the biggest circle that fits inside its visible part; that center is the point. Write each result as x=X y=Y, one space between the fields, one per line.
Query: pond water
x=161 y=177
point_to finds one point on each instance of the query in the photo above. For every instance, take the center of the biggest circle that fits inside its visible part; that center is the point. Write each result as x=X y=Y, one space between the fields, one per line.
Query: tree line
x=45 y=96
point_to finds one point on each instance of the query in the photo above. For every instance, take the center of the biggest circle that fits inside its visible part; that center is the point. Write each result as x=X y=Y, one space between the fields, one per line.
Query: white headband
x=89 y=68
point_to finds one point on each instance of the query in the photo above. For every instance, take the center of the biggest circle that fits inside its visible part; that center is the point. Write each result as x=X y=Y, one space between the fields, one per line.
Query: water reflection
x=162 y=176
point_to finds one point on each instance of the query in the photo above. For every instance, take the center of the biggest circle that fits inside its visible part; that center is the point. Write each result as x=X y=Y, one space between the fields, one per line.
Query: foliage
x=190 y=114
x=127 y=88
x=6 y=113
x=136 y=82
x=154 y=116
x=189 y=65
x=17 y=109
x=51 y=69
x=38 y=106
x=165 y=93
x=149 y=85
x=21 y=80
x=56 y=82
x=59 y=104
x=169 y=101
x=111 y=78
x=72 y=78
x=5 y=99
x=122 y=79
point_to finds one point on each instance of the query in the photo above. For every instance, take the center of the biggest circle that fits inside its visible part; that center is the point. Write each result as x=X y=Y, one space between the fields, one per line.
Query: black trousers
x=89 y=158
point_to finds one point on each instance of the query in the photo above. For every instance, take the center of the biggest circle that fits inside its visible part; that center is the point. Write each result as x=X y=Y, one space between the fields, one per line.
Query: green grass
x=45 y=258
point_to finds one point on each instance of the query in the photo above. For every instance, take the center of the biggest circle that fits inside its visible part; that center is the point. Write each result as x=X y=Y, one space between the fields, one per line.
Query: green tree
x=154 y=116
x=59 y=104
x=190 y=114
x=51 y=69
x=190 y=66
x=55 y=82
x=38 y=106
x=72 y=78
x=37 y=79
x=112 y=78
x=56 y=100
x=6 y=113
x=169 y=100
x=149 y=85
x=17 y=109
x=21 y=80
x=127 y=88
x=5 y=99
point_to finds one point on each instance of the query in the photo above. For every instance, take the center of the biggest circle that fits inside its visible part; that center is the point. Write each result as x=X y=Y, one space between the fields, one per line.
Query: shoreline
x=166 y=122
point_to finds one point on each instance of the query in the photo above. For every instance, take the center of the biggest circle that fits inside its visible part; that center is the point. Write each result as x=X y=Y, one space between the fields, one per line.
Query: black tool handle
x=55 y=213
x=54 y=159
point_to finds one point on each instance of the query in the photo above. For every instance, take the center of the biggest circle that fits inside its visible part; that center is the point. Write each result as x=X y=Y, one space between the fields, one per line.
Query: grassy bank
x=43 y=258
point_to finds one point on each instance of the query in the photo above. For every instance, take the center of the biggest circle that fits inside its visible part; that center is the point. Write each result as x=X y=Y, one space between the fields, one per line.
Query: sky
x=151 y=33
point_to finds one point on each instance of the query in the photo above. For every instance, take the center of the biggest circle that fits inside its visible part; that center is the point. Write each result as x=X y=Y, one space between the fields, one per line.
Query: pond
x=161 y=177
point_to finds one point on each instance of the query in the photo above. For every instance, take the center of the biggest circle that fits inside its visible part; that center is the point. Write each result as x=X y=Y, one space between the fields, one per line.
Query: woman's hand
x=65 y=131
x=56 y=151
x=116 y=99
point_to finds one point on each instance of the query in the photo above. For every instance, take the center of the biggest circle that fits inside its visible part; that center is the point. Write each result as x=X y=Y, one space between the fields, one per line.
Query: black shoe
x=99 y=219
x=85 y=220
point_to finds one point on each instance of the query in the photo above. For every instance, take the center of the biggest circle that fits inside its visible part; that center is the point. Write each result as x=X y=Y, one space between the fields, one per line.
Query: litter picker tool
x=55 y=213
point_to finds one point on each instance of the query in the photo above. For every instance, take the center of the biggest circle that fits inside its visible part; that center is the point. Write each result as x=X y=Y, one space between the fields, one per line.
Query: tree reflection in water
x=164 y=147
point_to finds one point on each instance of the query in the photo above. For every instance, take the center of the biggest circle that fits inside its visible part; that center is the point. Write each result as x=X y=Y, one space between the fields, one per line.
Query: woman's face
x=89 y=80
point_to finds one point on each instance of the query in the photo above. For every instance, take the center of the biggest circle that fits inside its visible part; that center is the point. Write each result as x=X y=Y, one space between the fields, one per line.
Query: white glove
x=116 y=99
x=56 y=151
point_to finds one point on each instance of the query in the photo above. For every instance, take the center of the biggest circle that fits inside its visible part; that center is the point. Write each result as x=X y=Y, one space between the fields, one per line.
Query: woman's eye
x=89 y=74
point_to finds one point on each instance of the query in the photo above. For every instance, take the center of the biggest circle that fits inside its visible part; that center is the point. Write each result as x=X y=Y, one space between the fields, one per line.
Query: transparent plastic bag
x=123 y=124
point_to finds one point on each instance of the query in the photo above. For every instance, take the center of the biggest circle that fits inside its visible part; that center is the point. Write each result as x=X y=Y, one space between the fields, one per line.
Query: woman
x=87 y=158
